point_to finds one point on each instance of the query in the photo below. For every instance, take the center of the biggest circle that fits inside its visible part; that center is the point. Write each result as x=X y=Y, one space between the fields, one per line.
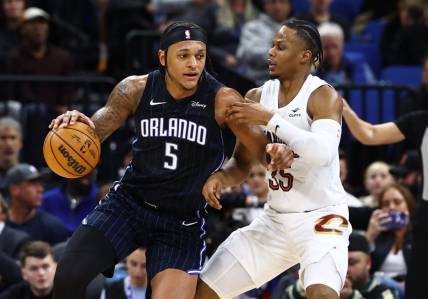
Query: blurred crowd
x=44 y=42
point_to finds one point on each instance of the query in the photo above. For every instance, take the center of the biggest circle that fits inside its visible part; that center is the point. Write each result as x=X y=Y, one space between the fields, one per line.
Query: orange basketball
x=73 y=151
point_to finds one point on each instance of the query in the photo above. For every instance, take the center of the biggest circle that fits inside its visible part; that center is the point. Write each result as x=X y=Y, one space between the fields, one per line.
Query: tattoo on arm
x=123 y=87
x=119 y=106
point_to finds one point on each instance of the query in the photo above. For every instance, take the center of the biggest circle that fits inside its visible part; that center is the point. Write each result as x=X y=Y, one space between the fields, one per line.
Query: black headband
x=180 y=34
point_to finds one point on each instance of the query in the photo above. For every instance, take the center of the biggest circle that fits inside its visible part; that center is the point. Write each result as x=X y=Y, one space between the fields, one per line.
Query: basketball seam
x=95 y=143
x=90 y=165
x=59 y=163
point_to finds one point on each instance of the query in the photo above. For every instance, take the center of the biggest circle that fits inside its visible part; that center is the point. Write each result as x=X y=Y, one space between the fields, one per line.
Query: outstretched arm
x=122 y=102
x=369 y=134
x=317 y=146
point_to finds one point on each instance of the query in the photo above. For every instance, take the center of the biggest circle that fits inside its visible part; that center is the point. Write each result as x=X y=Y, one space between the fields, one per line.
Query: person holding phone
x=389 y=232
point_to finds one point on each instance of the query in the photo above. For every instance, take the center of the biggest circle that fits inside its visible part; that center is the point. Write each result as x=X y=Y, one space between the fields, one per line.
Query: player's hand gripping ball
x=72 y=151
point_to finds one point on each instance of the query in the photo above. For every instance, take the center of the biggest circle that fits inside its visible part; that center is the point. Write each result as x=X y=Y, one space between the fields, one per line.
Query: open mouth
x=191 y=76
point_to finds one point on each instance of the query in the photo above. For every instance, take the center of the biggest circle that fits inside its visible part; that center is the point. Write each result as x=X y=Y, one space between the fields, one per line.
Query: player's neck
x=177 y=91
x=291 y=87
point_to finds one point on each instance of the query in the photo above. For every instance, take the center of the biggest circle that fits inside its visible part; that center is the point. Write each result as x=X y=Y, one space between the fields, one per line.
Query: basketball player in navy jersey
x=413 y=129
x=180 y=120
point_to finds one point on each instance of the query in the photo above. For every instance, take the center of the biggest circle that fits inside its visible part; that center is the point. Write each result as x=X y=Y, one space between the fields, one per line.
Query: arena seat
x=402 y=74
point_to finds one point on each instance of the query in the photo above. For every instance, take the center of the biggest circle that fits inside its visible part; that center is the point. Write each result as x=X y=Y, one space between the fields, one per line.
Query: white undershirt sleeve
x=318 y=146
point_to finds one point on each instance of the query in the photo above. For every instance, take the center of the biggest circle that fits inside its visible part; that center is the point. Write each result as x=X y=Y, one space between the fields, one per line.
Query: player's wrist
x=267 y=117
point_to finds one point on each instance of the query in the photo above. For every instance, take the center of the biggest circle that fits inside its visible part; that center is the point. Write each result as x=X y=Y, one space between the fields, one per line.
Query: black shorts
x=172 y=241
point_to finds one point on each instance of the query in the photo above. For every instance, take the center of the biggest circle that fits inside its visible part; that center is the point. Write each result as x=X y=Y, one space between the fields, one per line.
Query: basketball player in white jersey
x=306 y=220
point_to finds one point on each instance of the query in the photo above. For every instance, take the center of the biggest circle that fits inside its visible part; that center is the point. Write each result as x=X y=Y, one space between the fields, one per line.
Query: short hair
x=309 y=34
x=331 y=29
x=10 y=122
x=37 y=249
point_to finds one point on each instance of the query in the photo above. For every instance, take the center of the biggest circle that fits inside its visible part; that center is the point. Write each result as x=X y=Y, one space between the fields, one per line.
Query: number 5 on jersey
x=171 y=156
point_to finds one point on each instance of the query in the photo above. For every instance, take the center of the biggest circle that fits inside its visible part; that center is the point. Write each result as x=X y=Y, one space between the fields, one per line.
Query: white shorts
x=274 y=242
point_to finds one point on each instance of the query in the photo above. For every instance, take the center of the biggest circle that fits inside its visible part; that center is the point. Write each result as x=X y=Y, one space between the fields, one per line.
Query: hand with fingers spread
x=212 y=190
x=70 y=118
x=281 y=156
x=377 y=224
x=249 y=112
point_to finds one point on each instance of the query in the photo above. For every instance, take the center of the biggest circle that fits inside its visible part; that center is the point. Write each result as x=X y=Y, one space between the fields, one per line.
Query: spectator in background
x=359 y=284
x=36 y=57
x=256 y=39
x=231 y=17
x=10 y=145
x=12 y=12
x=389 y=232
x=11 y=240
x=38 y=270
x=393 y=24
x=256 y=198
x=343 y=163
x=24 y=185
x=134 y=284
x=377 y=176
x=339 y=67
x=10 y=272
x=201 y=12
x=409 y=172
x=411 y=42
x=319 y=12
x=72 y=201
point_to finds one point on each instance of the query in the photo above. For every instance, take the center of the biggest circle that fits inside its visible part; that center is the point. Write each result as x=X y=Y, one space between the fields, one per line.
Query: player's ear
x=306 y=56
x=162 y=57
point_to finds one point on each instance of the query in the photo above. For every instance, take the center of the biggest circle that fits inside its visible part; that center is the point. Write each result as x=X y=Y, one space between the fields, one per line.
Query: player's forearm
x=362 y=130
x=318 y=146
x=106 y=121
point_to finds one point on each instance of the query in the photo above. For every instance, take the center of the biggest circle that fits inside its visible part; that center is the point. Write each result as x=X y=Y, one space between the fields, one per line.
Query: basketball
x=73 y=151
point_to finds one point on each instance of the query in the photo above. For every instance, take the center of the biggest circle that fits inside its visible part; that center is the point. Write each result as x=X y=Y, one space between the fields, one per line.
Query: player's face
x=287 y=54
x=358 y=268
x=185 y=62
x=394 y=201
x=10 y=145
x=39 y=273
x=136 y=267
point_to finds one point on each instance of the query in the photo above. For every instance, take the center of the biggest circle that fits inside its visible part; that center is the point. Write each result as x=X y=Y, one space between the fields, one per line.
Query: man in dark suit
x=11 y=240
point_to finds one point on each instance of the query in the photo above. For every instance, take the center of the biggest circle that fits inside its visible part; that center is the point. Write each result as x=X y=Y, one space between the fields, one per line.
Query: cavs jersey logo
x=331 y=224
x=187 y=34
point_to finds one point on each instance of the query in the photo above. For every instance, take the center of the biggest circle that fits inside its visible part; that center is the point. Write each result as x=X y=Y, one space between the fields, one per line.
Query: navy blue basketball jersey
x=178 y=146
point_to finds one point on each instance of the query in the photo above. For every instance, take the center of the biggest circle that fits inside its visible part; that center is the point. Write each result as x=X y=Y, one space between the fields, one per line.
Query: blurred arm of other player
x=251 y=143
x=122 y=102
x=369 y=134
x=317 y=146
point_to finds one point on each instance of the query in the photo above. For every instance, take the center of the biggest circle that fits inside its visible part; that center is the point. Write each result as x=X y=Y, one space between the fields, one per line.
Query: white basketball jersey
x=304 y=186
